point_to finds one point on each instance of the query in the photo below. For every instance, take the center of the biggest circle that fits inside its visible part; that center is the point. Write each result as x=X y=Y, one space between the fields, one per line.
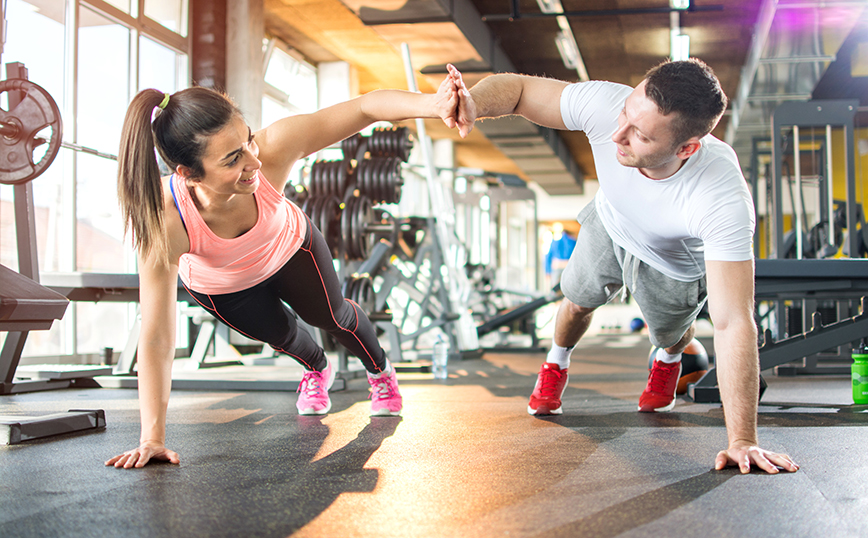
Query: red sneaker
x=659 y=395
x=550 y=385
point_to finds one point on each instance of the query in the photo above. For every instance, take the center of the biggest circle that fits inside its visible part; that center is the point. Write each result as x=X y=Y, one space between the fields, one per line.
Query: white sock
x=560 y=356
x=385 y=371
x=662 y=356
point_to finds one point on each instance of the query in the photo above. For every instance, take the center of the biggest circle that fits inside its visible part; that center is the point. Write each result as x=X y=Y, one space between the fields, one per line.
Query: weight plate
x=331 y=224
x=316 y=177
x=365 y=184
x=333 y=177
x=35 y=112
x=366 y=296
x=314 y=211
x=343 y=173
x=345 y=285
x=346 y=228
x=357 y=229
x=366 y=215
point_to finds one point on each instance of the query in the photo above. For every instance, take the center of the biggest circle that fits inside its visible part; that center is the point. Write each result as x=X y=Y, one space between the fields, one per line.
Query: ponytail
x=140 y=191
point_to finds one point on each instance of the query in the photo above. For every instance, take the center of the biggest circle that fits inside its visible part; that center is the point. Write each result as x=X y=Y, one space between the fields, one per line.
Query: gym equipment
x=452 y=255
x=694 y=364
x=804 y=288
x=26 y=305
x=790 y=146
x=522 y=312
x=367 y=166
x=486 y=230
x=780 y=280
x=21 y=128
x=821 y=114
x=360 y=290
x=14 y=430
x=381 y=257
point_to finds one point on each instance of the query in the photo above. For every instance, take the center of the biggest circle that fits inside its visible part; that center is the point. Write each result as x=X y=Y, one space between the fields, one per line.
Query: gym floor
x=464 y=460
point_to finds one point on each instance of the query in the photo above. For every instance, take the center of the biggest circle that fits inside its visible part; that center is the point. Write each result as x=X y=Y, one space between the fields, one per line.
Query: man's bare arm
x=730 y=302
x=537 y=99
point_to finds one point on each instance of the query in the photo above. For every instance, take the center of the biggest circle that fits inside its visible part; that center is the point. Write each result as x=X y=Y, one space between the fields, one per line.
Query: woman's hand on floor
x=139 y=457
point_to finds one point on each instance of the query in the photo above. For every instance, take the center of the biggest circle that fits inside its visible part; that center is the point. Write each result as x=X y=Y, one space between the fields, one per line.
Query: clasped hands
x=454 y=103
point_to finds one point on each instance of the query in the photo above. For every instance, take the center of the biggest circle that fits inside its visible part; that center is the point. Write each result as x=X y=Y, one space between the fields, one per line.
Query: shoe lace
x=660 y=374
x=311 y=384
x=381 y=388
x=549 y=379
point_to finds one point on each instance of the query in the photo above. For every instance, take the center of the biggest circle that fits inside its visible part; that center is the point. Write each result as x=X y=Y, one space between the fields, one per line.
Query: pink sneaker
x=314 y=392
x=386 y=399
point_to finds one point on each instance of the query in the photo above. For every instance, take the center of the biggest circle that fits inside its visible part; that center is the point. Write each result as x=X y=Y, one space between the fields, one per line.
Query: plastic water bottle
x=859 y=371
x=440 y=357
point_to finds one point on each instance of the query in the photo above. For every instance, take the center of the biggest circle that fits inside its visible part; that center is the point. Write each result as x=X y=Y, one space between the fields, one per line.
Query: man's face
x=644 y=137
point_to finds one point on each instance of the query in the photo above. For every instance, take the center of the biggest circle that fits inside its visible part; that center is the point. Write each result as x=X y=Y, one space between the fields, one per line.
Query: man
x=672 y=223
x=559 y=253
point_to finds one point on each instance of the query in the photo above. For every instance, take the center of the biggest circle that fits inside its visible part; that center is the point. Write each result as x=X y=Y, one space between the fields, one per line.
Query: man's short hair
x=690 y=89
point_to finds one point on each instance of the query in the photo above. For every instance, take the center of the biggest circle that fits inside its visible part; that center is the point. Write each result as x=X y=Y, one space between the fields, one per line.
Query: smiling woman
x=220 y=222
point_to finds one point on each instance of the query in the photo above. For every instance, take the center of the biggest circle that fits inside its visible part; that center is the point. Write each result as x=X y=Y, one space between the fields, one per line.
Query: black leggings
x=309 y=284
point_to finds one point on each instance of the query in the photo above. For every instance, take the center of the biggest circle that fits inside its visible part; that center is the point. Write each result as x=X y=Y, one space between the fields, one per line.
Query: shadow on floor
x=643 y=509
x=239 y=485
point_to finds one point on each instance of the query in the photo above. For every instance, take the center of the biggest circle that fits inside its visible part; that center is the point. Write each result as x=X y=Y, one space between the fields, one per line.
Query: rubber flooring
x=465 y=460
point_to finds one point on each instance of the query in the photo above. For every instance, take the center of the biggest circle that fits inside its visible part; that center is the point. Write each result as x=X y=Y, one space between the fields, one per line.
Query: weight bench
x=120 y=287
x=791 y=279
x=27 y=306
x=24 y=306
x=123 y=287
x=111 y=287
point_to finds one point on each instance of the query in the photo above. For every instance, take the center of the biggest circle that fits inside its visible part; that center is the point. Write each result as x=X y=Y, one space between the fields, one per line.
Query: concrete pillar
x=245 y=30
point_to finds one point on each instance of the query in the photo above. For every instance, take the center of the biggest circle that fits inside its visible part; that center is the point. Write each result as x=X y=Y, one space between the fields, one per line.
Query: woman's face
x=230 y=161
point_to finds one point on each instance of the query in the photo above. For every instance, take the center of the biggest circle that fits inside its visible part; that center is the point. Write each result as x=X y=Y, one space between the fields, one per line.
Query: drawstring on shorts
x=629 y=274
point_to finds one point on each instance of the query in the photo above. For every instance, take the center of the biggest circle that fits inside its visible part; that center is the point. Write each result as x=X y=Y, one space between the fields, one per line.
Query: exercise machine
x=817 y=306
x=25 y=305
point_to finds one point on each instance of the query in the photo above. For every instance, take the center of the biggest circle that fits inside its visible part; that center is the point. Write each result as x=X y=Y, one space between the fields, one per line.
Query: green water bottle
x=859 y=372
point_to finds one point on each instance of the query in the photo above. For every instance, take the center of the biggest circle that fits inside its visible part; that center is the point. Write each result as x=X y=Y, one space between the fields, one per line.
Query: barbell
x=21 y=131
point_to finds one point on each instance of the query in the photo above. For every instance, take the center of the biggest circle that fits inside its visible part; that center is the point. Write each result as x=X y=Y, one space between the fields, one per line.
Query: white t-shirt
x=702 y=212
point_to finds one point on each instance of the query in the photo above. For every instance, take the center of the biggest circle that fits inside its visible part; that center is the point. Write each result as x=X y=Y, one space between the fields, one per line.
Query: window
x=172 y=14
x=290 y=84
x=92 y=56
x=290 y=88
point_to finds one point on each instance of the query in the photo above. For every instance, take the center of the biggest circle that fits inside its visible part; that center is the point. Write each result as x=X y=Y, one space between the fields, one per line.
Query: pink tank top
x=215 y=265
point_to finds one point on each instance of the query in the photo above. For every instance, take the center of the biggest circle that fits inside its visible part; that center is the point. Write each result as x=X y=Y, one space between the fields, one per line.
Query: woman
x=221 y=223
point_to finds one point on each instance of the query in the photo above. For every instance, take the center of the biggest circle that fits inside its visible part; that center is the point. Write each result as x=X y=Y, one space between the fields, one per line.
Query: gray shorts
x=598 y=270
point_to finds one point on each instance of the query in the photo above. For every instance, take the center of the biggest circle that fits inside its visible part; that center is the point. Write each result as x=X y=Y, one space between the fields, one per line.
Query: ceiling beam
x=466 y=18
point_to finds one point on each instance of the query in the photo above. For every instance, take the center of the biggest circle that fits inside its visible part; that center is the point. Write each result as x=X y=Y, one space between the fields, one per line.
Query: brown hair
x=691 y=89
x=179 y=132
